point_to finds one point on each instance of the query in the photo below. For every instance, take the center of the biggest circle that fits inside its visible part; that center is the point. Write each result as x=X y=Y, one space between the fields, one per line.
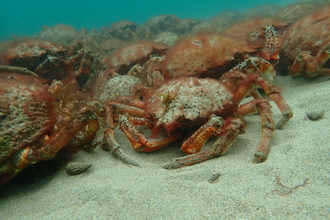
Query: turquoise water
x=26 y=17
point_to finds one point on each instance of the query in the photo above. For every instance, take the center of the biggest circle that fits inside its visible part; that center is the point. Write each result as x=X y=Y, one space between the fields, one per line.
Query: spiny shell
x=74 y=168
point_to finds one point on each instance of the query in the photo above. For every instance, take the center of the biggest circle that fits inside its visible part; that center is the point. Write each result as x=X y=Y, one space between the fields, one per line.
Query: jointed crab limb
x=16 y=69
x=31 y=155
x=324 y=55
x=189 y=160
x=313 y=64
x=128 y=100
x=86 y=117
x=119 y=108
x=110 y=140
x=304 y=58
x=196 y=141
x=255 y=94
x=52 y=63
x=248 y=85
x=274 y=94
x=87 y=59
x=261 y=106
x=249 y=66
x=228 y=133
x=116 y=149
x=140 y=142
x=112 y=145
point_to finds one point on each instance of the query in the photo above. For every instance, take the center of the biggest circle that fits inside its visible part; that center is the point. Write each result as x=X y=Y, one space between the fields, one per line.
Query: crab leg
x=110 y=142
x=231 y=129
x=128 y=100
x=228 y=133
x=51 y=63
x=116 y=148
x=313 y=64
x=114 y=109
x=85 y=118
x=140 y=142
x=16 y=69
x=304 y=58
x=196 y=141
x=274 y=94
x=262 y=107
x=31 y=155
x=248 y=85
x=323 y=55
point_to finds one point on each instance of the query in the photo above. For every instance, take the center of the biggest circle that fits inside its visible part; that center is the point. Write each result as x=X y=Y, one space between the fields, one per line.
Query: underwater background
x=85 y=55
x=26 y=17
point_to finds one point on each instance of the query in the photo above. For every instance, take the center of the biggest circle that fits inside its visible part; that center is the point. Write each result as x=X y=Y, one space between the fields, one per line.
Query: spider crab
x=204 y=106
x=53 y=115
x=46 y=59
x=306 y=46
x=207 y=54
x=37 y=120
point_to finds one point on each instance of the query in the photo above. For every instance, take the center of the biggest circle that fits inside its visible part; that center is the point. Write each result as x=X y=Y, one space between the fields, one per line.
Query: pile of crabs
x=65 y=88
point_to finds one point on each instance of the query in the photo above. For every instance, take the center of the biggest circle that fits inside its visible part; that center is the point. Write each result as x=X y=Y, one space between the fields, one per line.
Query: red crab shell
x=130 y=54
x=250 y=27
x=205 y=54
x=26 y=114
x=29 y=53
x=308 y=34
x=188 y=102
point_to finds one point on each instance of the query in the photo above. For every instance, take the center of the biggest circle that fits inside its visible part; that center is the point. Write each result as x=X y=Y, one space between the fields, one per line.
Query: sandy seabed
x=114 y=190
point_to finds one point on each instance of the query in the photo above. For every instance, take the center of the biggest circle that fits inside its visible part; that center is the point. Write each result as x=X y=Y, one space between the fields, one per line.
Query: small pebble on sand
x=315 y=115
